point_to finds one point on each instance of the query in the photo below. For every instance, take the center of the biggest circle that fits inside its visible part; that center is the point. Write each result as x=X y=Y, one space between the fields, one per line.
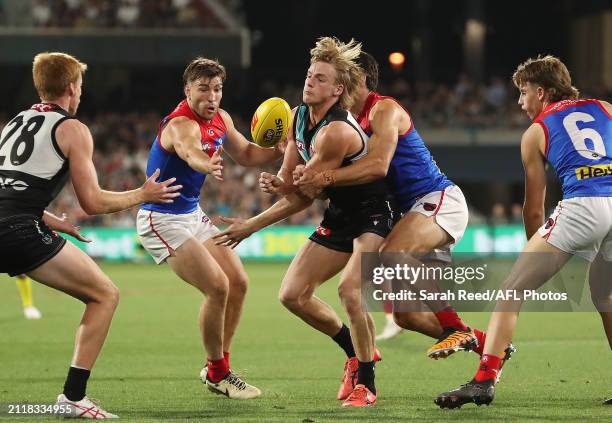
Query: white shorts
x=162 y=233
x=449 y=208
x=581 y=226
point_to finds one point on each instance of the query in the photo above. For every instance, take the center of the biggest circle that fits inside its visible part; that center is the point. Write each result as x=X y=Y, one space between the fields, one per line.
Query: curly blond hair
x=342 y=56
x=548 y=72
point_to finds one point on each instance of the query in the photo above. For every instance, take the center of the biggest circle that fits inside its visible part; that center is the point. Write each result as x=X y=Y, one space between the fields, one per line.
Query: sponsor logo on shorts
x=46 y=238
x=326 y=232
x=549 y=223
x=594 y=171
x=429 y=206
x=7 y=183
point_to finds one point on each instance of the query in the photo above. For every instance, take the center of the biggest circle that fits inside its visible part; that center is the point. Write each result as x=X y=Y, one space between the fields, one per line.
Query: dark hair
x=369 y=66
x=548 y=72
x=200 y=67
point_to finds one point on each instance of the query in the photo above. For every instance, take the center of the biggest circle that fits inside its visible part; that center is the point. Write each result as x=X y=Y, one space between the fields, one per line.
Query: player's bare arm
x=240 y=229
x=387 y=121
x=247 y=153
x=182 y=136
x=282 y=183
x=291 y=203
x=75 y=141
x=335 y=142
x=532 y=154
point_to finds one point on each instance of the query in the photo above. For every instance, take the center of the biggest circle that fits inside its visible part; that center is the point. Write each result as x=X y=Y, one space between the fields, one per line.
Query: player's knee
x=402 y=320
x=405 y=320
x=218 y=287
x=350 y=296
x=290 y=300
x=239 y=285
x=107 y=294
x=602 y=301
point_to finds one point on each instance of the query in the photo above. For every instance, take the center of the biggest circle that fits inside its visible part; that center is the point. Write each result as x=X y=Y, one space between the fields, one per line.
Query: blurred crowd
x=123 y=140
x=114 y=13
x=466 y=104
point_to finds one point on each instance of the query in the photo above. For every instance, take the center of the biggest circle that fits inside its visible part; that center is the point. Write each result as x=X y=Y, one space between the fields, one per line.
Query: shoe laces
x=233 y=379
x=358 y=392
x=94 y=401
x=348 y=372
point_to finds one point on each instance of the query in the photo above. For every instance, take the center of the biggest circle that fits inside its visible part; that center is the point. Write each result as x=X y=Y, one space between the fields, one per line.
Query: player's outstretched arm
x=183 y=137
x=385 y=120
x=532 y=154
x=282 y=183
x=75 y=141
x=335 y=142
x=240 y=229
x=247 y=153
x=62 y=224
x=292 y=202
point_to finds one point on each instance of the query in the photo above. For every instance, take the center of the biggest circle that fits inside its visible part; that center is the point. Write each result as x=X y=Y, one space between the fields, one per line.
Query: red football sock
x=489 y=367
x=226 y=358
x=217 y=369
x=388 y=307
x=448 y=318
x=481 y=336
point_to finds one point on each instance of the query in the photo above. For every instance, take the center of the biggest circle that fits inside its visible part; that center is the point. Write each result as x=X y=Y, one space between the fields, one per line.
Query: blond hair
x=548 y=72
x=53 y=72
x=342 y=57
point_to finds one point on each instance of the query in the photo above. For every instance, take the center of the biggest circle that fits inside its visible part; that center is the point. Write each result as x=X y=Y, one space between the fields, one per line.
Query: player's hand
x=281 y=147
x=309 y=181
x=298 y=172
x=238 y=230
x=272 y=184
x=62 y=224
x=215 y=164
x=159 y=192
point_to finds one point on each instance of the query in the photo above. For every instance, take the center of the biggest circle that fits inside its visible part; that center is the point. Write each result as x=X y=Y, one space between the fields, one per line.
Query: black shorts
x=27 y=243
x=341 y=226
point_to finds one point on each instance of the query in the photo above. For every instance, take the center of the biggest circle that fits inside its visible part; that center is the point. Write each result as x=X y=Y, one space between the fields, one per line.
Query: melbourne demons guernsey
x=213 y=134
x=579 y=146
x=33 y=169
x=346 y=197
x=412 y=171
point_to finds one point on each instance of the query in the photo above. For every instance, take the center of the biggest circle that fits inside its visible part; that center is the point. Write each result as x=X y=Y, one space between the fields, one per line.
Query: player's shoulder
x=607 y=106
x=182 y=122
x=386 y=105
x=533 y=136
x=71 y=126
x=224 y=115
x=339 y=129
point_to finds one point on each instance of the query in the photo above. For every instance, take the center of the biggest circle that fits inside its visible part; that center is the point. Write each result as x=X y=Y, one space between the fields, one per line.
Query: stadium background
x=459 y=56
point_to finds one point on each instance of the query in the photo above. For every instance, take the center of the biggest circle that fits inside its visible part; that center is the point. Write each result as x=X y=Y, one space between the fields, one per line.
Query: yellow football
x=271 y=122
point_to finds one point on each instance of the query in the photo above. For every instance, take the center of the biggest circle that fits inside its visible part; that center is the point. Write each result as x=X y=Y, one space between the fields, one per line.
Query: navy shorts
x=27 y=243
x=340 y=226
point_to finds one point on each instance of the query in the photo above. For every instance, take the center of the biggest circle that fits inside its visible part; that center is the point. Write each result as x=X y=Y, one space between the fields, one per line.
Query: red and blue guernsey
x=579 y=146
x=171 y=165
x=412 y=171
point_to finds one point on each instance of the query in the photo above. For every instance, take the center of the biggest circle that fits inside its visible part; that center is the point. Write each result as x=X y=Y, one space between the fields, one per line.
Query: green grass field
x=148 y=370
